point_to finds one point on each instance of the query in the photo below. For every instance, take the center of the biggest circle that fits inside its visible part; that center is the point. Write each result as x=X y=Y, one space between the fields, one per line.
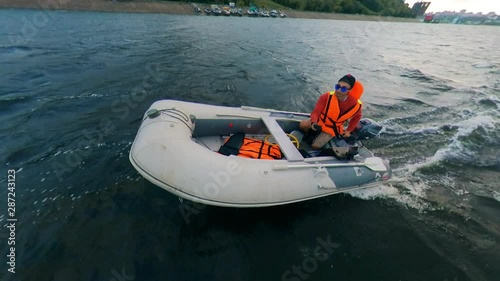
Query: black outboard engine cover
x=347 y=148
x=366 y=129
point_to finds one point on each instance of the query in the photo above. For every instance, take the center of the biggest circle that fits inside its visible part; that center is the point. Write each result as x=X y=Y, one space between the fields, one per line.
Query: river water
x=73 y=89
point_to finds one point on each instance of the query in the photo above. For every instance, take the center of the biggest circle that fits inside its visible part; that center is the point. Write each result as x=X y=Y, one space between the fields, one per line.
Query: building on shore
x=419 y=8
x=463 y=17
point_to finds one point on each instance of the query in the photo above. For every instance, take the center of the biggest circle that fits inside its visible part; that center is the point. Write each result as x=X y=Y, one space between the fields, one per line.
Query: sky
x=484 y=6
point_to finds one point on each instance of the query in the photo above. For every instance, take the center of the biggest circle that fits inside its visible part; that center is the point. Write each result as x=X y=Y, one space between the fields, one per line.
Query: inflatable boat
x=178 y=148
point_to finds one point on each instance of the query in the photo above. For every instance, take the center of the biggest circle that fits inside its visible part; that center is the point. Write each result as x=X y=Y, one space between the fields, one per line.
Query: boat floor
x=215 y=142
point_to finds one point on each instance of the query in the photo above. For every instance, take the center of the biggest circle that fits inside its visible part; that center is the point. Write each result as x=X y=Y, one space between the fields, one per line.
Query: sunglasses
x=343 y=89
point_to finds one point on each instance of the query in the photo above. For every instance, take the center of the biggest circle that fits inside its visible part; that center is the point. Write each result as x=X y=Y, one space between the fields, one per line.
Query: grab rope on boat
x=177 y=114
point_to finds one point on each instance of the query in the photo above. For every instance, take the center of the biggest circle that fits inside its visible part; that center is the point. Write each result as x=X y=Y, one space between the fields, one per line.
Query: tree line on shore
x=394 y=8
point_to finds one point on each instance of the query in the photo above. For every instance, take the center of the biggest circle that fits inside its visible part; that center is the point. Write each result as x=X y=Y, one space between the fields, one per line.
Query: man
x=332 y=110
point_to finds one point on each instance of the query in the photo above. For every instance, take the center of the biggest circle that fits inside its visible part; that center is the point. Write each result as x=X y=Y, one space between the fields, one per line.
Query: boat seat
x=291 y=152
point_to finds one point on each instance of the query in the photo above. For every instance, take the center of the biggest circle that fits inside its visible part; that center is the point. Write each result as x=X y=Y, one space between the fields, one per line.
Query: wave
x=14 y=99
x=484 y=64
x=494 y=71
x=15 y=52
x=462 y=146
x=394 y=125
x=414 y=101
x=412 y=188
x=417 y=75
x=496 y=195
x=8 y=102
x=402 y=189
x=13 y=49
x=85 y=95
x=433 y=82
x=468 y=144
x=490 y=102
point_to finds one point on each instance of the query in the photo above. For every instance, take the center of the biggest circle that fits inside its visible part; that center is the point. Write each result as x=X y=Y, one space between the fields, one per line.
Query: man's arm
x=319 y=107
x=354 y=121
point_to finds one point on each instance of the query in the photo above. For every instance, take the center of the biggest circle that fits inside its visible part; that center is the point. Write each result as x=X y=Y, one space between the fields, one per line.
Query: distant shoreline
x=168 y=8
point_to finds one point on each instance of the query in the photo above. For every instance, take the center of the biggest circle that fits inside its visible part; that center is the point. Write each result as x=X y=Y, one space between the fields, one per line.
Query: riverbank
x=168 y=8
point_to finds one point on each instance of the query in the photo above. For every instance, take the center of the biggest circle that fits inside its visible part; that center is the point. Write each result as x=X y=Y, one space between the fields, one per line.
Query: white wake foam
x=407 y=188
x=496 y=195
x=456 y=148
x=402 y=189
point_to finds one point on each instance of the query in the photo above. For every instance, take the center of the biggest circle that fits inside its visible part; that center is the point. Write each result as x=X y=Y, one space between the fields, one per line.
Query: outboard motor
x=342 y=149
x=366 y=129
x=347 y=148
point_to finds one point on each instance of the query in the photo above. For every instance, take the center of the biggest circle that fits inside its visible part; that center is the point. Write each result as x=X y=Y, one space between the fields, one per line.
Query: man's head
x=344 y=86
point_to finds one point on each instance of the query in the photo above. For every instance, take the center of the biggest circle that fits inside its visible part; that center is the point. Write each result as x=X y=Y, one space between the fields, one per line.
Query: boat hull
x=176 y=150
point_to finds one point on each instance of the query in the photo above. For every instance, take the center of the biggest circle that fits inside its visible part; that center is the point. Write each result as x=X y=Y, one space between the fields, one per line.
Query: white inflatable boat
x=176 y=148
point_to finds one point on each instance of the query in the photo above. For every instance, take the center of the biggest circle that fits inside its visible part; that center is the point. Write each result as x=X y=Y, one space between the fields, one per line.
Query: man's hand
x=346 y=134
x=314 y=126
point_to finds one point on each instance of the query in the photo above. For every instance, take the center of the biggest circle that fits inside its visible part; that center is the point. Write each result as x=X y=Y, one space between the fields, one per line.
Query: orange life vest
x=258 y=149
x=357 y=90
x=239 y=145
x=330 y=120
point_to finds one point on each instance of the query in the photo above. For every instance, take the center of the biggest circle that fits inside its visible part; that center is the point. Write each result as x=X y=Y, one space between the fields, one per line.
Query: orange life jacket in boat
x=330 y=120
x=239 y=145
x=259 y=149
